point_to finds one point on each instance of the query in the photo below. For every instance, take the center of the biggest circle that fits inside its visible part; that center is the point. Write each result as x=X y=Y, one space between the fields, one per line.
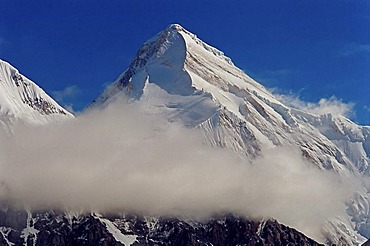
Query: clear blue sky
x=313 y=48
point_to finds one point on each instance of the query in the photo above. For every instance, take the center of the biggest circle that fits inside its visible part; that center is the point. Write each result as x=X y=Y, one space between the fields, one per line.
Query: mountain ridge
x=22 y=99
x=239 y=93
x=175 y=73
x=181 y=78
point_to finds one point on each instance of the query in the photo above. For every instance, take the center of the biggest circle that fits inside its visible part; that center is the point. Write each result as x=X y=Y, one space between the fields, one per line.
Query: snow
x=341 y=232
x=181 y=78
x=261 y=226
x=126 y=240
x=5 y=233
x=30 y=230
x=73 y=215
x=151 y=223
x=21 y=99
x=190 y=110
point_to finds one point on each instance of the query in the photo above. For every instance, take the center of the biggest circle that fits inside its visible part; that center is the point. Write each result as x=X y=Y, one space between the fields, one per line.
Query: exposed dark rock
x=58 y=228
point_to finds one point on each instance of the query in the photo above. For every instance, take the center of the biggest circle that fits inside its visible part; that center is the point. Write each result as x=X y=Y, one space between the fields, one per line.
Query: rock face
x=229 y=230
x=19 y=227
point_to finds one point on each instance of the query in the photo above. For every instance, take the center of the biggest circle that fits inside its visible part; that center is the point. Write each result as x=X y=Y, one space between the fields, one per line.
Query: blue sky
x=311 y=48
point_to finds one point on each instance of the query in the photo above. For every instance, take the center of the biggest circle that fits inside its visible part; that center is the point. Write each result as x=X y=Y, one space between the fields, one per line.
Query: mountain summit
x=248 y=117
x=167 y=58
x=181 y=77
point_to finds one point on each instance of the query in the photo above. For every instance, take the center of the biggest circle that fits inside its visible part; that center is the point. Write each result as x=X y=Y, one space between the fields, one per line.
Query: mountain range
x=180 y=78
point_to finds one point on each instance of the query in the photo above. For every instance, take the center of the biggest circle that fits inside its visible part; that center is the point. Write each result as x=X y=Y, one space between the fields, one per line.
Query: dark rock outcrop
x=19 y=227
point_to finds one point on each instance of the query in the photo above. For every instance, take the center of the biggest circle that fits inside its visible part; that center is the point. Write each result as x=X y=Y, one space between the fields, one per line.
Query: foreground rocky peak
x=19 y=227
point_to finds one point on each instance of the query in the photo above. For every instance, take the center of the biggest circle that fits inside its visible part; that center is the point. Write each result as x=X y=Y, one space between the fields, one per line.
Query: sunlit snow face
x=122 y=158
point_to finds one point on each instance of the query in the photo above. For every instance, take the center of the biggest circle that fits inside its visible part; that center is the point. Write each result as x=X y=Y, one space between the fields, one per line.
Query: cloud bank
x=123 y=159
x=66 y=95
x=330 y=105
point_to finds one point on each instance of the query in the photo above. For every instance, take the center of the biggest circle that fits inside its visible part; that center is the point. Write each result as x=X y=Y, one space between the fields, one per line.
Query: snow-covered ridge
x=22 y=99
x=213 y=50
x=248 y=119
x=182 y=78
x=156 y=50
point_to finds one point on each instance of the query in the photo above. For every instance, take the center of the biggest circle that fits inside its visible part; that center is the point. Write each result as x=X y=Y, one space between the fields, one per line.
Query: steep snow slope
x=352 y=139
x=21 y=99
x=181 y=77
x=247 y=116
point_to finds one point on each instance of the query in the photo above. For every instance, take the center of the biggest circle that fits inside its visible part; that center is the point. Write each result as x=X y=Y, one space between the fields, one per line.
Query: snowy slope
x=21 y=99
x=181 y=77
x=353 y=140
x=247 y=116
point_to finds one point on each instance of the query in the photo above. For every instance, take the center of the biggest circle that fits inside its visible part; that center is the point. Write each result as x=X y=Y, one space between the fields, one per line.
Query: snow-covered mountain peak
x=180 y=77
x=175 y=27
x=169 y=58
x=179 y=29
x=177 y=70
x=21 y=99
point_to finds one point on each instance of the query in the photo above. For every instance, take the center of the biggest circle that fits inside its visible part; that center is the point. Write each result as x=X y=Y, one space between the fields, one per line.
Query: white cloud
x=330 y=105
x=354 y=49
x=121 y=159
x=106 y=84
x=67 y=93
x=367 y=108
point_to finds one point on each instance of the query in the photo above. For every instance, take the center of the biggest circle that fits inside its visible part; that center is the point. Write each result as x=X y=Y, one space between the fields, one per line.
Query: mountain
x=177 y=66
x=23 y=100
x=60 y=228
x=181 y=78
x=184 y=79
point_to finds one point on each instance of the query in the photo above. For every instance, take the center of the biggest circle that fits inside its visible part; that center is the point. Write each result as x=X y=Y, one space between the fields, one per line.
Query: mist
x=331 y=105
x=122 y=158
